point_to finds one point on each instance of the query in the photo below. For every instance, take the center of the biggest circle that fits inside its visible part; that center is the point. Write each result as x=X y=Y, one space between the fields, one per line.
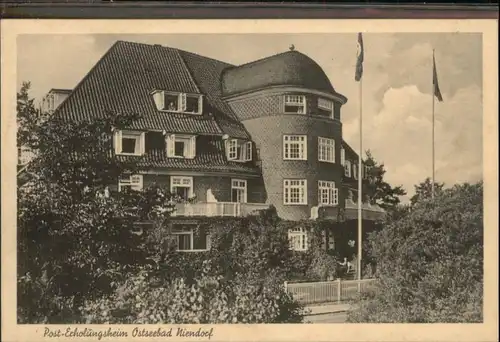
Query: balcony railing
x=213 y=209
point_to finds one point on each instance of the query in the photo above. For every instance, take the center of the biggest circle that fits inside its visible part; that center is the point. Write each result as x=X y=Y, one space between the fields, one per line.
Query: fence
x=234 y=209
x=327 y=291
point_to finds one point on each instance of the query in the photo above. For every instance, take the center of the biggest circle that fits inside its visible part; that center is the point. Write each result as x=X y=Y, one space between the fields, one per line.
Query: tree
x=429 y=262
x=376 y=189
x=28 y=116
x=424 y=190
x=74 y=241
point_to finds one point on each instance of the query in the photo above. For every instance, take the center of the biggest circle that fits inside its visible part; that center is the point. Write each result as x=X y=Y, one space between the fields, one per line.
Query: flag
x=435 y=83
x=360 y=56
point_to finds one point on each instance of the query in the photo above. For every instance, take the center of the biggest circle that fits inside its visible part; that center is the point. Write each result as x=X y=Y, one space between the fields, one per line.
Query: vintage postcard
x=237 y=180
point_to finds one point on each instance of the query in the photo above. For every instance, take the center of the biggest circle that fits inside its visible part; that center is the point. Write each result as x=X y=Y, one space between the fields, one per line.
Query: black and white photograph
x=248 y=178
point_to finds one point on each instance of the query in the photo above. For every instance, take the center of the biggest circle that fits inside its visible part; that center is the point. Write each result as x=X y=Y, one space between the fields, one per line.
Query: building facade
x=233 y=139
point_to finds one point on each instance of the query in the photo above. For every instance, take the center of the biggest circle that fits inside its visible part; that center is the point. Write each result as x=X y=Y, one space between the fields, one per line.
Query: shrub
x=209 y=300
x=429 y=262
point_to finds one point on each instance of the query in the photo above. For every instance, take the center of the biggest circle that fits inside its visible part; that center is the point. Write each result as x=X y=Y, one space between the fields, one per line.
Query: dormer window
x=238 y=150
x=181 y=146
x=325 y=108
x=294 y=104
x=129 y=142
x=178 y=102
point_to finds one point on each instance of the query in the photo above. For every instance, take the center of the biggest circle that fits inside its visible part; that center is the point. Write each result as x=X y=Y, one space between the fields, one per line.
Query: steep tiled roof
x=290 y=68
x=207 y=74
x=122 y=82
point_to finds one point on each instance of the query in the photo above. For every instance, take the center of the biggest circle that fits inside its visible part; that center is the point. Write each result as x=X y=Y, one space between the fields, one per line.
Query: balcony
x=213 y=209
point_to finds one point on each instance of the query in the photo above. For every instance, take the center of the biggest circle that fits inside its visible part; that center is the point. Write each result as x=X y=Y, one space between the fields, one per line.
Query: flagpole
x=433 y=95
x=360 y=183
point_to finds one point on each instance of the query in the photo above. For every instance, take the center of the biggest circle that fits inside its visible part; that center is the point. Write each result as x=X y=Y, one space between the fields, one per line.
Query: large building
x=234 y=138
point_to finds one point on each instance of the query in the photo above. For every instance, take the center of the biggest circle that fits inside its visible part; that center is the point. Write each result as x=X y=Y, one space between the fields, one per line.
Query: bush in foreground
x=210 y=300
x=429 y=263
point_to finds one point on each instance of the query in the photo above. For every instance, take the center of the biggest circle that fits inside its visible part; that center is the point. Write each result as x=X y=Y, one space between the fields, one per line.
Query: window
x=181 y=186
x=181 y=146
x=239 y=191
x=295 y=147
x=295 y=191
x=326 y=150
x=325 y=108
x=239 y=150
x=347 y=168
x=133 y=182
x=178 y=102
x=129 y=142
x=355 y=171
x=342 y=156
x=187 y=240
x=295 y=104
x=297 y=238
x=327 y=193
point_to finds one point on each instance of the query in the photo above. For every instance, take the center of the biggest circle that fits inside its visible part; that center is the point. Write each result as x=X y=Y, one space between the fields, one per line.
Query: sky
x=396 y=87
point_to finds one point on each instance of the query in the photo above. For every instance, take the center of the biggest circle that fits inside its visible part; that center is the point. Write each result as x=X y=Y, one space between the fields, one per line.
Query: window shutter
x=249 y=151
x=170 y=145
x=159 y=98
x=209 y=242
x=142 y=143
x=200 y=104
x=230 y=147
x=192 y=147
x=118 y=141
x=137 y=180
x=333 y=150
x=182 y=102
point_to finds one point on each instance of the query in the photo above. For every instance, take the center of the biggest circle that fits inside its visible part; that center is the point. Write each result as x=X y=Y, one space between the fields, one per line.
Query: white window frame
x=189 y=145
x=326 y=105
x=342 y=156
x=191 y=241
x=301 y=185
x=184 y=182
x=347 y=168
x=136 y=182
x=297 y=238
x=294 y=139
x=119 y=135
x=245 y=150
x=161 y=105
x=295 y=100
x=328 y=194
x=239 y=184
x=324 y=145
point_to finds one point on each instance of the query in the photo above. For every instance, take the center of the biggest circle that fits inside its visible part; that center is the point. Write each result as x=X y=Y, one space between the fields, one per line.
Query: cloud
x=400 y=136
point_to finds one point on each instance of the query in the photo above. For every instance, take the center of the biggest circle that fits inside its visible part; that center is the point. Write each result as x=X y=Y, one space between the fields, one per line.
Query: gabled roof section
x=290 y=68
x=122 y=82
x=207 y=75
x=349 y=150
